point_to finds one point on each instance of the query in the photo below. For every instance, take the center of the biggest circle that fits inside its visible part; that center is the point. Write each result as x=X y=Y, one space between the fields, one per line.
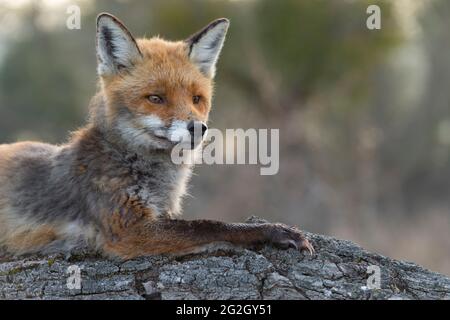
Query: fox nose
x=194 y=126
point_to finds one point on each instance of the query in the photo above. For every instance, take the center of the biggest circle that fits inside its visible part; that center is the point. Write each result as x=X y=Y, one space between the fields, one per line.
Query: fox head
x=157 y=93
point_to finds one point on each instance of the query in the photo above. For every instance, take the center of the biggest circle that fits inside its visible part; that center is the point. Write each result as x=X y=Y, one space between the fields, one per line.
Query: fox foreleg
x=182 y=236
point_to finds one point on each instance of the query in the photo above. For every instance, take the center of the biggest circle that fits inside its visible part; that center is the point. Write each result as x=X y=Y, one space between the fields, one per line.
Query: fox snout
x=197 y=131
x=197 y=128
x=189 y=133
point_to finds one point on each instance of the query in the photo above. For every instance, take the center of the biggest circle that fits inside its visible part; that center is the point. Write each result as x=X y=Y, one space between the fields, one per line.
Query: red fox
x=113 y=186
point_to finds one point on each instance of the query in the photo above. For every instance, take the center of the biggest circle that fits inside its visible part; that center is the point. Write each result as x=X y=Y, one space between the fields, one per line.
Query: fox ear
x=205 y=46
x=116 y=47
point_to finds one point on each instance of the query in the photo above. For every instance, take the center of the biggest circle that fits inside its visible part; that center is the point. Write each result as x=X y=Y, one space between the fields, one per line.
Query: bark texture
x=338 y=270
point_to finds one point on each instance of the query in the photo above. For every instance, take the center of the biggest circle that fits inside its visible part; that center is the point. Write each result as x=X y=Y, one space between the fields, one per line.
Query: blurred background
x=364 y=115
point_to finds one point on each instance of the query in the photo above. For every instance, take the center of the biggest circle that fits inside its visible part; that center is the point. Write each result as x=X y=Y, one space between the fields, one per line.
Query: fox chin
x=113 y=186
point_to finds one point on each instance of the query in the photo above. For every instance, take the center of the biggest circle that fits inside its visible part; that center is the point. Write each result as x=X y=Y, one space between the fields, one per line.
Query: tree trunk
x=338 y=270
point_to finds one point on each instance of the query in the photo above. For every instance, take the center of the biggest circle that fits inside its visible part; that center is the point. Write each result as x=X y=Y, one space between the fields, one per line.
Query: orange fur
x=164 y=69
x=29 y=240
x=100 y=188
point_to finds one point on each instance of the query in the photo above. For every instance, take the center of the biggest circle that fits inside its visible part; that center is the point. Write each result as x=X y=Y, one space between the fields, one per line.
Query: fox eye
x=196 y=99
x=154 y=98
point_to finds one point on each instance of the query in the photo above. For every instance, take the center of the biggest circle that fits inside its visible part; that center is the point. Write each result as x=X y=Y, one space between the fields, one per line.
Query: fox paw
x=285 y=237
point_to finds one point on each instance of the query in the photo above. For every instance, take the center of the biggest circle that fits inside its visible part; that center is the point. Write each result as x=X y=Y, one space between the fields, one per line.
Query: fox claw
x=286 y=237
x=306 y=245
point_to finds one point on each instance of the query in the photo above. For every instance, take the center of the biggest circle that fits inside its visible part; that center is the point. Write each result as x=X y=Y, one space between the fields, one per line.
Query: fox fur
x=113 y=186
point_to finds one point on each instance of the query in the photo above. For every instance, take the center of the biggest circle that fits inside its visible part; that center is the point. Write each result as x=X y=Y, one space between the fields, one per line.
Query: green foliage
x=316 y=43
